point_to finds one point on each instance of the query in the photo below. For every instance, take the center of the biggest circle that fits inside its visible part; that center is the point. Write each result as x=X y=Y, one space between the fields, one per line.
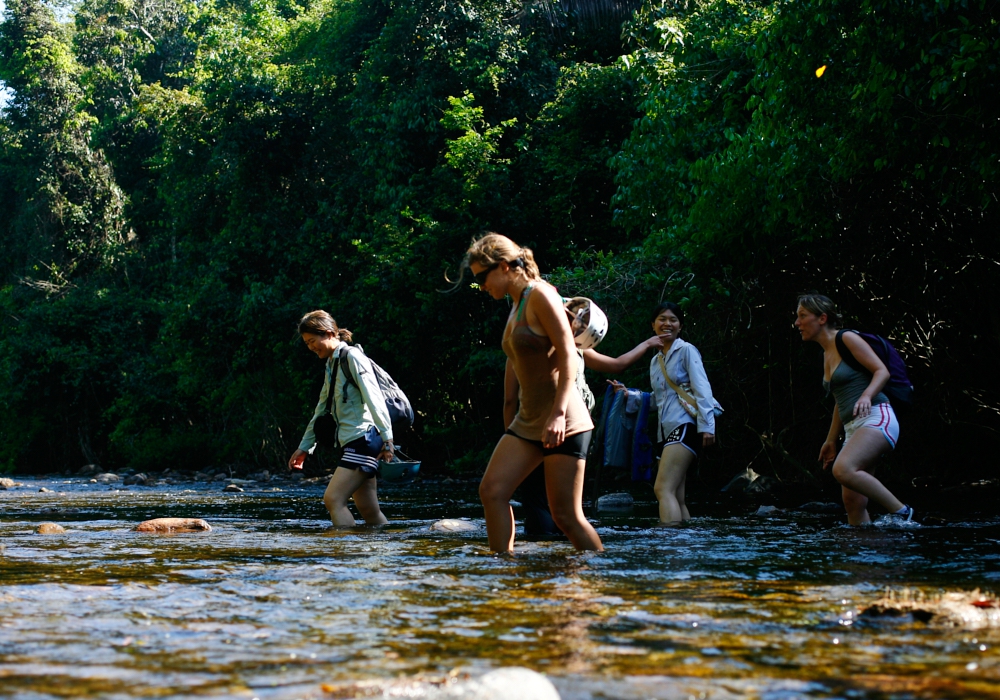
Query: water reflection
x=274 y=604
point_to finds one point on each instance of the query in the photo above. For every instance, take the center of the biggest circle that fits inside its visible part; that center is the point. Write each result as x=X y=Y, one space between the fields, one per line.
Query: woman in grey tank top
x=862 y=412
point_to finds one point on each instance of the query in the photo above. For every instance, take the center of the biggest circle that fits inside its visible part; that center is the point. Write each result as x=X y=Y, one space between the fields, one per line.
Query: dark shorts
x=362 y=454
x=685 y=434
x=574 y=445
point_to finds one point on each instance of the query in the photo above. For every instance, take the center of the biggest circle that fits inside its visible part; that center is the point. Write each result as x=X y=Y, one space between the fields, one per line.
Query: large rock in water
x=174 y=525
x=450 y=525
x=968 y=609
x=50 y=529
x=514 y=683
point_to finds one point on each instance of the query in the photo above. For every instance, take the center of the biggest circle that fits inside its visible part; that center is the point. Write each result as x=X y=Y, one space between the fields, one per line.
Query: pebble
x=233 y=488
x=615 y=501
x=173 y=525
x=450 y=525
x=50 y=529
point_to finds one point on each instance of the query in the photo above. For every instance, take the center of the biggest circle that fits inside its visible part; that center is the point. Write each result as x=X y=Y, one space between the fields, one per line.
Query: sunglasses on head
x=480 y=277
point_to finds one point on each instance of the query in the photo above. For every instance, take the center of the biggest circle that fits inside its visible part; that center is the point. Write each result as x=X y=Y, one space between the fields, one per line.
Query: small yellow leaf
x=820 y=71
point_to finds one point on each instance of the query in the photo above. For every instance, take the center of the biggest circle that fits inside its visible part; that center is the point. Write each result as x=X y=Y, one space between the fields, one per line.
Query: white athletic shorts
x=882 y=418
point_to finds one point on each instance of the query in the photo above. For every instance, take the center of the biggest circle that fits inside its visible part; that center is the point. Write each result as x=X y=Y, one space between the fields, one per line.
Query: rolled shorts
x=575 y=445
x=882 y=418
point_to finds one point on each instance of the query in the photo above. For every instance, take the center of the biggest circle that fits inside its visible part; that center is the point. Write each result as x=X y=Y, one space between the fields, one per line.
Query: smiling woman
x=363 y=429
x=548 y=421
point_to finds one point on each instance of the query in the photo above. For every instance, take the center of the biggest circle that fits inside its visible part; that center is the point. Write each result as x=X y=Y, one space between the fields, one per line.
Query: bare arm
x=547 y=308
x=828 y=452
x=510 y=389
x=864 y=354
x=612 y=365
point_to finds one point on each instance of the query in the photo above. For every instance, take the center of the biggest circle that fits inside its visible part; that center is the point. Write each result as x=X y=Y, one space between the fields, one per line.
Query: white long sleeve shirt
x=364 y=405
x=684 y=364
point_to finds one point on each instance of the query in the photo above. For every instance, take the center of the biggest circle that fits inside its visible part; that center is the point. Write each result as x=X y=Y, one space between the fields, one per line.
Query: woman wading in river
x=862 y=411
x=551 y=425
x=681 y=436
x=363 y=429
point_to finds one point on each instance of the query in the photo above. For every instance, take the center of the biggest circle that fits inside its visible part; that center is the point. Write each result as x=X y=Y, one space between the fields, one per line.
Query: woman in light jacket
x=364 y=431
x=681 y=437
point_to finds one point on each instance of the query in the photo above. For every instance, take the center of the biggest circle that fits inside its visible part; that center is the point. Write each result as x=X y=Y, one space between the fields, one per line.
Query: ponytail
x=321 y=323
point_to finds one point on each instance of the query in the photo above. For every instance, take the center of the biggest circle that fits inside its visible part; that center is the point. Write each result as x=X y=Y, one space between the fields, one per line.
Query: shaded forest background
x=180 y=181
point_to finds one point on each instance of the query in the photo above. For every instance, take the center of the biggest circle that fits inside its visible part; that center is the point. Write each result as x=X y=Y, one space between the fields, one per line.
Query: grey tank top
x=847 y=385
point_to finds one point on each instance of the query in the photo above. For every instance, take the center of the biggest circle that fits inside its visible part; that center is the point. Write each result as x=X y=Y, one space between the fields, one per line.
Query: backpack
x=396 y=403
x=899 y=389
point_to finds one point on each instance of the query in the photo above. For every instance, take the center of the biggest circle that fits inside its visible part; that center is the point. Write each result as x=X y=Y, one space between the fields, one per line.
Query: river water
x=274 y=604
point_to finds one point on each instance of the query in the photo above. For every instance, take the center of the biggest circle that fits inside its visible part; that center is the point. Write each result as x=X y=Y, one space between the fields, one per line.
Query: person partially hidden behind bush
x=363 y=429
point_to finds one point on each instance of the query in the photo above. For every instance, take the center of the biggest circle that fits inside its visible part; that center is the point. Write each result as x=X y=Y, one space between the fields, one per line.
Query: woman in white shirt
x=681 y=436
x=363 y=427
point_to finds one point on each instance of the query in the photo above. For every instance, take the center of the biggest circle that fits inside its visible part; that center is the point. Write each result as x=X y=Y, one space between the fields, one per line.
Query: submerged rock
x=450 y=525
x=233 y=488
x=107 y=478
x=89 y=470
x=767 y=511
x=615 y=501
x=967 y=609
x=513 y=683
x=174 y=525
x=50 y=529
x=136 y=480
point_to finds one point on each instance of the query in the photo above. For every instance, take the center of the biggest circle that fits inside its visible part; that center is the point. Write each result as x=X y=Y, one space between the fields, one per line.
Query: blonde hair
x=321 y=323
x=493 y=248
x=818 y=304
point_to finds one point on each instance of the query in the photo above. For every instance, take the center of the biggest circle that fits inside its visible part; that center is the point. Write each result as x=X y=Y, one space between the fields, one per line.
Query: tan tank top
x=534 y=361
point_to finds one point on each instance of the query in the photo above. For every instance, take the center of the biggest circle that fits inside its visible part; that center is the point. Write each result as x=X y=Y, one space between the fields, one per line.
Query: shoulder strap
x=845 y=353
x=348 y=374
x=680 y=392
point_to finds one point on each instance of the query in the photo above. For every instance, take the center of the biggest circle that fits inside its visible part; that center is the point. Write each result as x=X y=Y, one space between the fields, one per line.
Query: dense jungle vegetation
x=181 y=180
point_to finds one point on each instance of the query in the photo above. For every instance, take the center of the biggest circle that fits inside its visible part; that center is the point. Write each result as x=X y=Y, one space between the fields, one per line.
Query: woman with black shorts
x=552 y=424
x=364 y=430
x=681 y=436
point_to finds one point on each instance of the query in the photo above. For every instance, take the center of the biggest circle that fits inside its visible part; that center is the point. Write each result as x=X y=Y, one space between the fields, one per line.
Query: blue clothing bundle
x=626 y=442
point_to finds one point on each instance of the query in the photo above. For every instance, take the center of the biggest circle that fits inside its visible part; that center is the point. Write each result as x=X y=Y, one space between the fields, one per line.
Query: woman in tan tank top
x=549 y=422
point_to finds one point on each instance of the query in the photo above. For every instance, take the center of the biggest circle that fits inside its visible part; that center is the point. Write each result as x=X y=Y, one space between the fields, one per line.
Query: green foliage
x=184 y=180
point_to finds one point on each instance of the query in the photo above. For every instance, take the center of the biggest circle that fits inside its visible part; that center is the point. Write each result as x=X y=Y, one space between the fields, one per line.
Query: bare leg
x=858 y=455
x=670 y=481
x=343 y=483
x=366 y=501
x=856 y=506
x=513 y=459
x=685 y=514
x=564 y=484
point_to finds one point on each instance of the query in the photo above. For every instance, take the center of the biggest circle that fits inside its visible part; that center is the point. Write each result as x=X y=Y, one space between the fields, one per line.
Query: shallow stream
x=274 y=604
